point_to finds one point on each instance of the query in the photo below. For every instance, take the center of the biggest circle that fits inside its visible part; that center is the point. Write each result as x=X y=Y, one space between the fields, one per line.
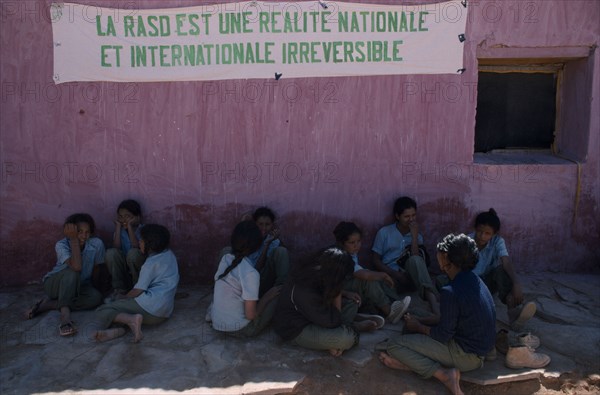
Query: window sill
x=514 y=157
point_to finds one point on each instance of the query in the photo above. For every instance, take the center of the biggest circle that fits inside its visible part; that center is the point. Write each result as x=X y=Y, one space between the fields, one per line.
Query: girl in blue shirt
x=124 y=261
x=496 y=269
x=366 y=287
x=68 y=285
x=152 y=299
x=271 y=259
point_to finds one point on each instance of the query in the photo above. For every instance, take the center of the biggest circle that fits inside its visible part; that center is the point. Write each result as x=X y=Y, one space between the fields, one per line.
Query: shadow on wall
x=28 y=252
x=450 y=216
x=199 y=232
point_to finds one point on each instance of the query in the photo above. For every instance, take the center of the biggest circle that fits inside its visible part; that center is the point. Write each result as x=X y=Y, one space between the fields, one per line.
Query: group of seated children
x=143 y=268
x=325 y=304
x=322 y=305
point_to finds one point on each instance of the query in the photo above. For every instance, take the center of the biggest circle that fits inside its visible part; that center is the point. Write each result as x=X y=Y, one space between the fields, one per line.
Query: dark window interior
x=515 y=110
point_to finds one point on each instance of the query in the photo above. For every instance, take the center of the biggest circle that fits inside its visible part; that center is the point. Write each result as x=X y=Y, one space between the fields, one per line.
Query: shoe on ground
x=502 y=341
x=377 y=319
x=525 y=314
x=527 y=339
x=519 y=357
x=398 y=309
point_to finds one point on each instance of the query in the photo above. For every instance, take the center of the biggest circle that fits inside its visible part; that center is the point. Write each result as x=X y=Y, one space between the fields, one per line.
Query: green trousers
x=259 y=323
x=371 y=293
x=416 y=269
x=125 y=270
x=343 y=337
x=424 y=355
x=106 y=313
x=66 y=287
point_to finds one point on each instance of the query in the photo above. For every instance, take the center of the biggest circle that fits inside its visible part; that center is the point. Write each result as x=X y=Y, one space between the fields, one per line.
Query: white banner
x=256 y=40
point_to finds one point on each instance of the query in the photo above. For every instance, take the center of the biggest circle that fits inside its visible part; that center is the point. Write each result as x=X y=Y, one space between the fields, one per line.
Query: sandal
x=35 y=309
x=378 y=320
x=67 y=329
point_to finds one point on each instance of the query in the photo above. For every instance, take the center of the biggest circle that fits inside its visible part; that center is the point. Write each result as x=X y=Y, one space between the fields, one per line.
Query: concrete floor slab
x=185 y=355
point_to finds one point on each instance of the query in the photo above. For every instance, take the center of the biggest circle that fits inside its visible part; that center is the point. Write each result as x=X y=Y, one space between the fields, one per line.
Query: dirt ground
x=185 y=354
x=375 y=379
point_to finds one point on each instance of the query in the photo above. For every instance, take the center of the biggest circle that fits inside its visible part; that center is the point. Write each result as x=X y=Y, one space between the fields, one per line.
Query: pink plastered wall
x=198 y=155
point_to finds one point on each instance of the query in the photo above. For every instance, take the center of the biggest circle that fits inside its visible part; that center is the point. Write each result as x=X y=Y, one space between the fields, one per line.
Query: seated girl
x=366 y=286
x=152 y=299
x=236 y=307
x=271 y=260
x=467 y=326
x=69 y=285
x=124 y=261
x=311 y=312
x=496 y=269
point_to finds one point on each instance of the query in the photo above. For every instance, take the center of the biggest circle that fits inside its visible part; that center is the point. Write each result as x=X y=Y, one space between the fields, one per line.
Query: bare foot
x=336 y=352
x=135 y=324
x=108 y=334
x=392 y=362
x=451 y=379
x=365 y=326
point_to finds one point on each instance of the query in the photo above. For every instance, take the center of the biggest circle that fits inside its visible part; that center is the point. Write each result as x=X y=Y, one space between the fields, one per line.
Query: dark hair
x=245 y=239
x=327 y=272
x=132 y=206
x=344 y=230
x=461 y=249
x=489 y=218
x=156 y=237
x=263 y=212
x=82 y=217
x=403 y=203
